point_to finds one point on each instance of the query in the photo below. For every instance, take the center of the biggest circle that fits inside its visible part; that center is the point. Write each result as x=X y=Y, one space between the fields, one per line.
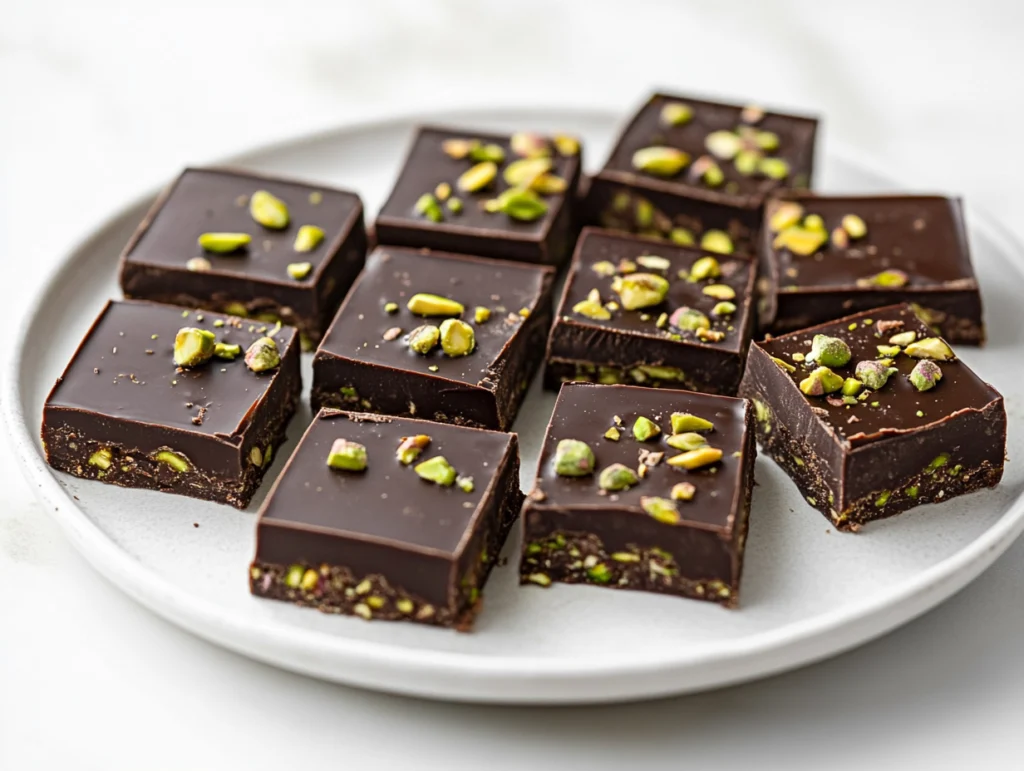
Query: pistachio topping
x=592 y=308
x=315 y=198
x=820 y=382
x=888 y=351
x=645 y=428
x=308 y=238
x=852 y=386
x=803 y=241
x=746 y=161
x=773 y=168
x=783 y=364
x=489 y=153
x=925 y=375
x=785 y=214
x=410 y=447
x=465 y=484
x=695 y=459
x=603 y=268
x=268 y=210
x=574 y=458
x=887 y=279
x=437 y=470
x=683 y=491
x=434 y=305
x=723 y=144
x=640 y=290
x=428 y=206
x=874 y=374
x=224 y=243
x=566 y=145
x=661 y=509
x=814 y=222
x=458 y=148
x=347 y=456
x=454 y=205
x=653 y=262
x=477 y=177
x=519 y=204
x=198 y=265
x=829 y=351
x=103 y=458
x=854 y=226
x=525 y=171
x=660 y=161
x=903 y=338
x=227 y=351
x=685 y=441
x=549 y=184
x=423 y=339
x=719 y=291
x=529 y=145
x=676 y=114
x=175 y=460
x=457 y=337
x=724 y=308
x=717 y=241
x=443 y=191
x=930 y=348
x=682 y=422
x=299 y=270
x=262 y=355
x=617 y=477
x=689 y=319
x=481 y=314
x=840 y=238
x=682 y=237
x=193 y=346
x=390 y=307
x=705 y=268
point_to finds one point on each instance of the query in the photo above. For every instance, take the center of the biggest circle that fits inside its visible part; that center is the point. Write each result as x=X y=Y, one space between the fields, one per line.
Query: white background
x=101 y=101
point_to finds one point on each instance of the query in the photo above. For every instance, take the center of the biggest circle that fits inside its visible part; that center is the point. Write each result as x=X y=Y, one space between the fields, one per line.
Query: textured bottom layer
x=560 y=371
x=330 y=398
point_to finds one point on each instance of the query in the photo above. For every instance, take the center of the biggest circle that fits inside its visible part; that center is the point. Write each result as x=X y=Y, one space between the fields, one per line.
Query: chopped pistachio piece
x=574 y=458
x=549 y=184
x=767 y=141
x=773 y=168
x=434 y=305
x=683 y=491
x=887 y=279
x=103 y=458
x=390 y=308
x=874 y=374
x=437 y=470
x=854 y=226
x=852 y=386
x=410 y=447
x=457 y=337
x=443 y=191
x=746 y=161
x=686 y=441
x=888 y=351
x=529 y=145
x=525 y=171
x=458 y=148
x=224 y=243
x=705 y=268
x=930 y=348
x=717 y=241
x=423 y=339
x=519 y=204
x=661 y=509
x=465 y=484
x=198 y=265
x=347 y=456
x=689 y=319
x=428 y=206
x=268 y=210
x=660 y=161
x=682 y=237
x=308 y=238
x=603 y=268
x=840 y=238
x=193 y=346
x=262 y=355
x=477 y=177
x=724 y=308
x=489 y=153
x=683 y=422
x=783 y=364
x=903 y=338
x=612 y=434
x=723 y=144
x=820 y=382
x=644 y=428
x=653 y=262
x=227 y=351
x=676 y=113
x=566 y=145
x=481 y=314
x=454 y=205
x=617 y=477
x=175 y=460
x=829 y=351
x=925 y=375
x=299 y=270
x=785 y=215
x=592 y=309
x=719 y=291
x=640 y=290
x=694 y=459
x=801 y=240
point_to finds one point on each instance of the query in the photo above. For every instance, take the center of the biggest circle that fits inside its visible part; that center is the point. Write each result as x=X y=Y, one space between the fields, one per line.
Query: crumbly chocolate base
x=939 y=481
x=67 y=451
x=335 y=589
x=558 y=371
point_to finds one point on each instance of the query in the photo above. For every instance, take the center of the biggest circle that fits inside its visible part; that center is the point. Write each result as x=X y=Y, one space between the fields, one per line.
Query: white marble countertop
x=100 y=101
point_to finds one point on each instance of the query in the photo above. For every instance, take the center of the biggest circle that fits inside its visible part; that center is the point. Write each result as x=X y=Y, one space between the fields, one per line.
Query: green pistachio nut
x=747 y=161
x=640 y=290
x=454 y=205
x=437 y=470
x=410 y=447
x=175 y=460
x=925 y=375
x=661 y=509
x=465 y=484
x=723 y=144
x=549 y=184
x=592 y=309
x=477 y=177
x=854 y=226
x=829 y=351
x=566 y=145
x=193 y=346
x=236 y=309
x=308 y=238
x=299 y=270
x=457 y=337
x=814 y=222
x=852 y=386
x=660 y=161
x=820 y=382
x=103 y=458
x=443 y=191
x=481 y=314
x=682 y=422
x=490 y=153
x=767 y=141
x=347 y=456
x=930 y=348
x=888 y=351
x=686 y=441
x=773 y=168
x=645 y=428
x=717 y=241
x=458 y=148
x=227 y=351
x=526 y=171
x=683 y=491
x=262 y=355
x=574 y=458
x=784 y=214
x=224 y=243
x=434 y=305
x=874 y=374
x=268 y=210
x=519 y=204
x=676 y=114
x=423 y=339
x=617 y=477
x=724 y=308
x=428 y=206
x=653 y=262
x=198 y=265
x=689 y=319
x=782 y=364
x=529 y=145
x=887 y=279
x=681 y=237
x=799 y=240
x=903 y=338
x=612 y=434
x=695 y=459
x=719 y=291
x=705 y=268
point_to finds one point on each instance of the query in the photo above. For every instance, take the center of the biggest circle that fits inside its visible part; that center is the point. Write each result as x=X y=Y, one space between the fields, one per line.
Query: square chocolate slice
x=824 y=256
x=692 y=170
x=638 y=311
x=388 y=518
x=494 y=195
x=249 y=245
x=186 y=402
x=872 y=415
x=642 y=489
x=437 y=336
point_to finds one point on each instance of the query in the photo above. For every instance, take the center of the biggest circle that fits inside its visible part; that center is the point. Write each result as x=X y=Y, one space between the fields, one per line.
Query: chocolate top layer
x=217 y=200
x=923 y=236
x=795 y=146
x=388 y=501
x=395 y=274
x=601 y=247
x=124 y=368
x=898 y=402
x=584 y=412
x=427 y=165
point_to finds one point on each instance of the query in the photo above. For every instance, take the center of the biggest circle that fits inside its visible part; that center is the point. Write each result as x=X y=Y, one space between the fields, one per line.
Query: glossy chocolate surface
x=899 y=402
x=796 y=146
x=585 y=412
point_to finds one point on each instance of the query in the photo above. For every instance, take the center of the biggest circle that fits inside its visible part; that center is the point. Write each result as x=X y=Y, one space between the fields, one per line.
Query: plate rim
x=456 y=675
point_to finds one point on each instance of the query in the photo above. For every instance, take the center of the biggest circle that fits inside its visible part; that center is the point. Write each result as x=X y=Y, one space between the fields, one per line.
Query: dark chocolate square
x=684 y=206
x=474 y=230
x=164 y=262
x=642 y=346
x=383 y=543
x=857 y=458
x=365 y=361
x=122 y=400
x=576 y=532
x=919 y=242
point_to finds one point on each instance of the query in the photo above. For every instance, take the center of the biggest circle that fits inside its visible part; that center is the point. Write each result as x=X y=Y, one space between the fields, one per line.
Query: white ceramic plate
x=808 y=592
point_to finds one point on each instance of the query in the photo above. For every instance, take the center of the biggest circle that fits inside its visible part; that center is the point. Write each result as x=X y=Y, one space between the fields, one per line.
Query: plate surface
x=808 y=592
